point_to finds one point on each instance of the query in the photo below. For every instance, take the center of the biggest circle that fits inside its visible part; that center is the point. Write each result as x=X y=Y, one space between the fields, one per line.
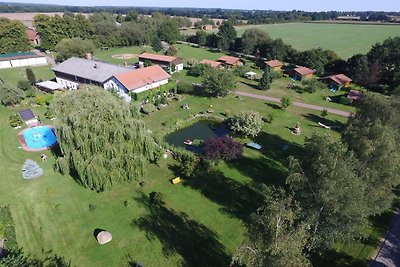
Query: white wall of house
x=150 y=86
x=5 y=64
x=15 y=63
x=122 y=91
x=67 y=83
x=119 y=88
x=179 y=67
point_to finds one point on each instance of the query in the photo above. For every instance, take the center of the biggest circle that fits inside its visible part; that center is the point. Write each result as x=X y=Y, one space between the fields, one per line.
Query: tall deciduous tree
x=75 y=47
x=330 y=191
x=276 y=237
x=13 y=36
x=265 y=81
x=218 y=82
x=103 y=141
x=248 y=123
x=373 y=135
x=168 y=31
x=222 y=148
x=227 y=35
x=252 y=38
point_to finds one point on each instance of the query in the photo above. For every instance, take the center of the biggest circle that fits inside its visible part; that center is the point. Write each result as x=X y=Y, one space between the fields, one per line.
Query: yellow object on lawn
x=176 y=180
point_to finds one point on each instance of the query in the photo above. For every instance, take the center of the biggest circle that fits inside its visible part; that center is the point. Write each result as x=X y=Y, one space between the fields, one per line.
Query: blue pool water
x=39 y=137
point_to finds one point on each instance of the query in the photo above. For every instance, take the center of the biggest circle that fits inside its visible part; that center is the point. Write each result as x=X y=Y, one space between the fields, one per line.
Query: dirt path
x=295 y=103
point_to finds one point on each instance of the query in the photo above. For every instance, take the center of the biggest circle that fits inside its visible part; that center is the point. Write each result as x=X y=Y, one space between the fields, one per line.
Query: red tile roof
x=32 y=34
x=229 y=60
x=304 y=71
x=340 y=79
x=212 y=63
x=355 y=95
x=273 y=63
x=157 y=57
x=142 y=77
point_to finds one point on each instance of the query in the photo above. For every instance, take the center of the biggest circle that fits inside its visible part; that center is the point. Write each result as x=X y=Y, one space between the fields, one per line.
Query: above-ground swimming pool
x=38 y=138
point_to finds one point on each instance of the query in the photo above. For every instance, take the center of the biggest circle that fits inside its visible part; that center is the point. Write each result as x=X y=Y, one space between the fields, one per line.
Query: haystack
x=103 y=237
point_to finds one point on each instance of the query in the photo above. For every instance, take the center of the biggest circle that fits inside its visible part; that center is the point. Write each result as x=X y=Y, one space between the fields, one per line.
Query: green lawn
x=187 y=52
x=279 y=89
x=345 y=39
x=13 y=75
x=106 y=55
x=199 y=218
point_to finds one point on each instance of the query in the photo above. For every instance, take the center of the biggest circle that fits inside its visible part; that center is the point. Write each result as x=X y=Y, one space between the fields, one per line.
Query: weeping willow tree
x=103 y=141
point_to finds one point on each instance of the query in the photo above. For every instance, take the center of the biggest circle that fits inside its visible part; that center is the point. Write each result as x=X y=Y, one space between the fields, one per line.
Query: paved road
x=295 y=103
x=389 y=251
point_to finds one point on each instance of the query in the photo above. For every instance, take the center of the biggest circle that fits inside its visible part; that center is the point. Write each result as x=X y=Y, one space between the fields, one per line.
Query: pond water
x=201 y=130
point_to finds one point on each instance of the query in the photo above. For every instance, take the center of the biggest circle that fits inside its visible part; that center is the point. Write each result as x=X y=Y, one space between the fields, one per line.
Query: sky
x=308 y=5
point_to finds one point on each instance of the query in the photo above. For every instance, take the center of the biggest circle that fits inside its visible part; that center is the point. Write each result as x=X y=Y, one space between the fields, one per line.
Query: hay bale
x=103 y=237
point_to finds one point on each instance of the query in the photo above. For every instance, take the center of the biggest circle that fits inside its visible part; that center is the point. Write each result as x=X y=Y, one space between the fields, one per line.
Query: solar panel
x=27 y=114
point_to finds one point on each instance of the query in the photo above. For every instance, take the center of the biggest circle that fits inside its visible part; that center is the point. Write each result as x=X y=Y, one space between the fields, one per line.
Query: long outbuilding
x=22 y=59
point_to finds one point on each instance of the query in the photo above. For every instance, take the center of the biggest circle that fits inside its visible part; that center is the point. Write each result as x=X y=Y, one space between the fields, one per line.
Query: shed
x=303 y=73
x=49 y=86
x=337 y=80
x=355 y=95
x=274 y=65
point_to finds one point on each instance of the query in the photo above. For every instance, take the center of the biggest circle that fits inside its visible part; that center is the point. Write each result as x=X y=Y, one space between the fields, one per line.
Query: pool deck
x=27 y=148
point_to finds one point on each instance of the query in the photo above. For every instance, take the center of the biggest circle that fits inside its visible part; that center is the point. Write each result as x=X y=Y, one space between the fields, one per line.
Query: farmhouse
x=166 y=62
x=274 y=65
x=230 y=61
x=22 y=59
x=33 y=36
x=138 y=81
x=337 y=81
x=302 y=73
x=212 y=63
x=75 y=71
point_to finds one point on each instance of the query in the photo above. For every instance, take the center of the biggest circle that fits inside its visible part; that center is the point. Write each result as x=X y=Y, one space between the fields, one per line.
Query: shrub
x=156 y=198
x=10 y=95
x=157 y=101
x=92 y=207
x=171 y=51
x=41 y=100
x=270 y=117
x=241 y=71
x=246 y=122
x=31 y=170
x=30 y=76
x=30 y=93
x=227 y=112
x=184 y=88
x=199 y=70
x=324 y=113
x=285 y=102
x=197 y=142
x=15 y=120
x=225 y=148
x=134 y=96
x=24 y=85
x=345 y=101
x=148 y=108
x=49 y=113
x=164 y=100
x=187 y=162
x=312 y=85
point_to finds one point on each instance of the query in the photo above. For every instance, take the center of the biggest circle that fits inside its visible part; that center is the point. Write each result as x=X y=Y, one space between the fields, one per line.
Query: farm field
x=345 y=39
